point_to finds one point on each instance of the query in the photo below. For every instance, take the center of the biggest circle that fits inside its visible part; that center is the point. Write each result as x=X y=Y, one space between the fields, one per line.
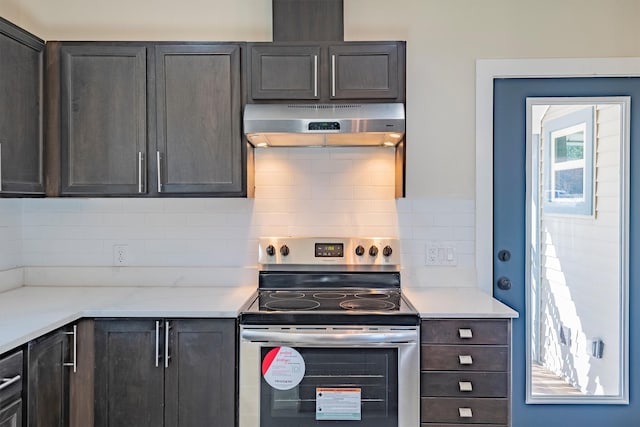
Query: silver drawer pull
x=465 y=412
x=73 y=364
x=6 y=382
x=465 y=359
x=465 y=385
x=465 y=333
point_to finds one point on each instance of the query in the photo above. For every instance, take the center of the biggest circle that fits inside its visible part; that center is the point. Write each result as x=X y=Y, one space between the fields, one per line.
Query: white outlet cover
x=120 y=255
x=440 y=254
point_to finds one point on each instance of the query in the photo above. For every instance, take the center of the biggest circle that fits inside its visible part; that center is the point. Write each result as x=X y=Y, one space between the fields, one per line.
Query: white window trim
x=555 y=166
x=487 y=70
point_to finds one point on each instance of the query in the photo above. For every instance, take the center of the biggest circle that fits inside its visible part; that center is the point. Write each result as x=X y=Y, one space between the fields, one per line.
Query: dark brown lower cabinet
x=465 y=372
x=60 y=378
x=48 y=380
x=172 y=373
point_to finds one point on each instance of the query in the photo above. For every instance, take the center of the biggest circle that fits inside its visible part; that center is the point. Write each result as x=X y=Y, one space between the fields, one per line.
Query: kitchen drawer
x=452 y=410
x=464 y=384
x=10 y=375
x=464 y=358
x=465 y=331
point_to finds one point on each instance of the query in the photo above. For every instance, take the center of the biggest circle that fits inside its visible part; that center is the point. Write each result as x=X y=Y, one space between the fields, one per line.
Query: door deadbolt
x=504 y=255
x=504 y=283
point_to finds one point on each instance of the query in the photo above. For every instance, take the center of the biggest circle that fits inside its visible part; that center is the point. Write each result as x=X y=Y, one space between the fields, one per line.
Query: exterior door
x=509 y=224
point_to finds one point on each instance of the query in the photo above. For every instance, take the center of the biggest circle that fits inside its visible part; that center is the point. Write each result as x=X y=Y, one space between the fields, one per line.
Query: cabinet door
x=103 y=119
x=47 y=385
x=81 y=384
x=11 y=414
x=199 y=132
x=128 y=373
x=200 y=381
x=362 y=71
x=21 y=76
x=285 y=72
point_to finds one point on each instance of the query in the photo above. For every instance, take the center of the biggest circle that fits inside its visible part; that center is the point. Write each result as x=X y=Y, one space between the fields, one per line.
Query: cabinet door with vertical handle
x=48 y=380
x=199 y=133
x=129 y=370
x=200 y=384
x=103 y=119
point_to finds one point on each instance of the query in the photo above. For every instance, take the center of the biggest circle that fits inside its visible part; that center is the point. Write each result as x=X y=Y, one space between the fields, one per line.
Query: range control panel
x=328 y=250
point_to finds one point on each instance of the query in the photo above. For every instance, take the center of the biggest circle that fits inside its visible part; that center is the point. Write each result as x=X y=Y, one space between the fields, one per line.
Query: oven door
x=320 y=376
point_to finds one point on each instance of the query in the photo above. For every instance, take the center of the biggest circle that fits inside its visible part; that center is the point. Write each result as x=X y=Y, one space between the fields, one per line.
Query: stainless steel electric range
x=328 y=338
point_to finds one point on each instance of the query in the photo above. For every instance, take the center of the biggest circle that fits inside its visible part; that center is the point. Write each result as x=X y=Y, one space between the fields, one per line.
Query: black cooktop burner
x=291 y=304
x=286 y=294
x=367 y=304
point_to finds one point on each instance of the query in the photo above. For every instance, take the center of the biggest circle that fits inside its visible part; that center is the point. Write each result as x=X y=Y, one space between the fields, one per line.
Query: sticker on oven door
x=283 y=368
x=338 y=404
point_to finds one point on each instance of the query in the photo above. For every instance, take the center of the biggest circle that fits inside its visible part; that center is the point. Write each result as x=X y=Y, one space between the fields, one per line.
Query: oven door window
x=373 y=372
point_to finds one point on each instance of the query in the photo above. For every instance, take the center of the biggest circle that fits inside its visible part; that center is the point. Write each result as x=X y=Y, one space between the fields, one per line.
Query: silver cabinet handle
x=465 y=386
x=6 y=382
x=74 y=363
x=157 y=342
x=315 y=75
x=333 y=75
x=140 y=172
x=465 y=412
x=465 y=359
x=167 y=326
x=465 y=333
x=159 y=164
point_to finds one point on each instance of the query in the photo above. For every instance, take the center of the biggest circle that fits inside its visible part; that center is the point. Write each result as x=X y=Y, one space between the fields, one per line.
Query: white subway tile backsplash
x=323 y=192
x=10 y=235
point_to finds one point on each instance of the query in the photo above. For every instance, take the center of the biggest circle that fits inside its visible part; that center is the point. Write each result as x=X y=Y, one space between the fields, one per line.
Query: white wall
x=444 y=38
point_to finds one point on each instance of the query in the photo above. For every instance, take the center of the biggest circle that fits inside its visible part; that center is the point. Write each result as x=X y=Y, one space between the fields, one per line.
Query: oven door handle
x=325 y=337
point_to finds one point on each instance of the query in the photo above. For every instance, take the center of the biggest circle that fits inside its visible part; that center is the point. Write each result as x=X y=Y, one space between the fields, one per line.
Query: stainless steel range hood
x=299 y=125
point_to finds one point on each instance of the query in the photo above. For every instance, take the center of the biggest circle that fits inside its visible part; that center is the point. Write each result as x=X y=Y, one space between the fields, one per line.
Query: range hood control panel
x=328 y=250
x=323 y=126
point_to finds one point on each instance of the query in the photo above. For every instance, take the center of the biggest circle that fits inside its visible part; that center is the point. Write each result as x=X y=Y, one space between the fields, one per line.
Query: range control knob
x=271 y=251
x=373 y=251
x=284 y=250
x=387 y=251
x=359 y=250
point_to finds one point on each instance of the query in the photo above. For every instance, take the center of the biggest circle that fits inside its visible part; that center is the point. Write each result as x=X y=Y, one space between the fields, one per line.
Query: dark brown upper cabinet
x=21 y=112
x=327 y=71
x=103 y=126
x=199 y=130
x=146 y=119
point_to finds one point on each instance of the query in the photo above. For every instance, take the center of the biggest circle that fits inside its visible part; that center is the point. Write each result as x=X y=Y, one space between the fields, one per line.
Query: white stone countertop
x=463 y=302
x=32 y=311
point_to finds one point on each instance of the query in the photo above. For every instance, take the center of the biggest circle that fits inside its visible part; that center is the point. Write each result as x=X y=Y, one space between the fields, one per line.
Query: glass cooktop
x=329 y=300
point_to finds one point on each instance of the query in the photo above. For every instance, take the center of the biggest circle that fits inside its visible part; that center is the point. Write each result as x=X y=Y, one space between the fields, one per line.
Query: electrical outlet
x=120 y=255
x=440 y=254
